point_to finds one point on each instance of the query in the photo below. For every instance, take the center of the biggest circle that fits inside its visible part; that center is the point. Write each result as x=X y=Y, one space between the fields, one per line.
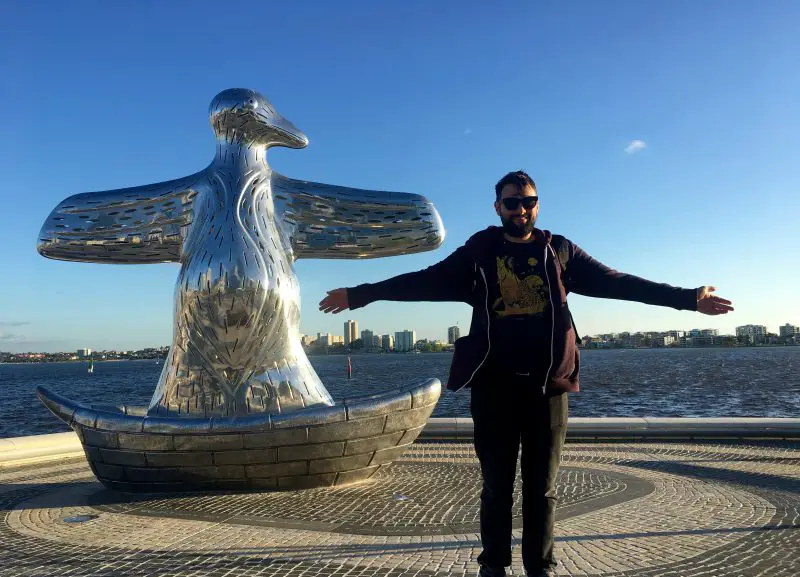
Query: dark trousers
x=507 y=414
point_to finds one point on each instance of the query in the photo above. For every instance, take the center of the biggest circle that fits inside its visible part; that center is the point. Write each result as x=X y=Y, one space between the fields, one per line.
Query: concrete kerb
x=38 y=448
x=609 y=428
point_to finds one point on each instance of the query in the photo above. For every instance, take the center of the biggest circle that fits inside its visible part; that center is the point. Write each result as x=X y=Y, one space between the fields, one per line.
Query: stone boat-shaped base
x=315 y=447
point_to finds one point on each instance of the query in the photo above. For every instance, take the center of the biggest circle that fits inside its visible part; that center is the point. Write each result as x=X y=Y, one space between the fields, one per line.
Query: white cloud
x=13 y=323
x=635 y=146
x=467 y=131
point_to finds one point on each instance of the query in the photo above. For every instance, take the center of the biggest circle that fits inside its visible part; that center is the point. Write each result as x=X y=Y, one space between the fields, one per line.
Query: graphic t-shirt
x=520 y=308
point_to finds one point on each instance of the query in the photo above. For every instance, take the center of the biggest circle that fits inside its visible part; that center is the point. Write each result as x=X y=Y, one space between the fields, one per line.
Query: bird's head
x=242 y=115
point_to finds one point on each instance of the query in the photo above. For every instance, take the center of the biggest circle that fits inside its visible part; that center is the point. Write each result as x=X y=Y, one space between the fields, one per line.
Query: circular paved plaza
x=649 y=509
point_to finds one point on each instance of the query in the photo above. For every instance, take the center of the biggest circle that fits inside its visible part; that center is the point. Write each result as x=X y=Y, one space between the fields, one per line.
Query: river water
x=741 y=382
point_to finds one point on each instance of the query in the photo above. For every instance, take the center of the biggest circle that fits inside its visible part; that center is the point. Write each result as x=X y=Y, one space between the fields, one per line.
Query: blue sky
x=436 y=98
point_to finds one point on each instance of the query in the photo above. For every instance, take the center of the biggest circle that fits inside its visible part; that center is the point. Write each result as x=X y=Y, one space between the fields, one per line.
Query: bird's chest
x=237 y=246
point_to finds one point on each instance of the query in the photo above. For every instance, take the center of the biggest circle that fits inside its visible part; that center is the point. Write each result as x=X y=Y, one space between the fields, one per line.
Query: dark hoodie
x=469 y=272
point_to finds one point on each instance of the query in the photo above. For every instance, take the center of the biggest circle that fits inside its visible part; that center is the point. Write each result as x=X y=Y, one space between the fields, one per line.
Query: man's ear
x=497 y=207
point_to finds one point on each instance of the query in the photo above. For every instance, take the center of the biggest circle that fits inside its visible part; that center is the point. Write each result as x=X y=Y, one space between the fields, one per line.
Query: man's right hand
x=335 y=302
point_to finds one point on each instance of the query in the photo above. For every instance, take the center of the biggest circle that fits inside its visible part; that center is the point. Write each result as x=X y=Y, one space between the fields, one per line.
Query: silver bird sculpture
x=237 y=228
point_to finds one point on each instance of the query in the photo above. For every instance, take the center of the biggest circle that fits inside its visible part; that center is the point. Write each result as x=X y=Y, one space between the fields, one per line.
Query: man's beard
x=519 y=230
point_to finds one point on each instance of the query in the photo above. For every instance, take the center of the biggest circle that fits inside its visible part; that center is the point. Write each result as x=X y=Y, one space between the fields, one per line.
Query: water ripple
x=746 y=382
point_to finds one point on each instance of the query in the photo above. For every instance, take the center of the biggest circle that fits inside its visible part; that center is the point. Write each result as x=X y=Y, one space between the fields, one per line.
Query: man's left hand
x=708 y=304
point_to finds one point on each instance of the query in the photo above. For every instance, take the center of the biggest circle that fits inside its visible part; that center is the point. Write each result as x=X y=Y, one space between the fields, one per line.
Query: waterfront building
x=369 y=339
x=405 y=341
x=350 y=332
x=387 y=342
x=453 y=334
x=754 y=334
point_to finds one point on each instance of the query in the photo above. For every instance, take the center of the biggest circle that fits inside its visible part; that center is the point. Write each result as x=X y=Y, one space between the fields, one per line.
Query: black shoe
x=487 y=571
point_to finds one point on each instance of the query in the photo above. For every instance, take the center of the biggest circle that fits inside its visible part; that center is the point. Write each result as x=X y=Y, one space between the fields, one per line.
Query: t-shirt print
x=522 y=289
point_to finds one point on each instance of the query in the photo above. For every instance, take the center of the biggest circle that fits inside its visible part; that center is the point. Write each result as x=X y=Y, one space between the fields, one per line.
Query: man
x=521 y=356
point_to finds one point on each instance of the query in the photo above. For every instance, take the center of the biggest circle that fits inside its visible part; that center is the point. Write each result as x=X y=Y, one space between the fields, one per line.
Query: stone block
x=222 y=485
x=129 y=458
x=92 y=454
x=370 y=444
x=278 y=469
x=427 y=394
x=388 y=455
x=145 y=442
x=410 y=435
x=348 y=477
x=176 y=459
x=304 y=452
x=103 y=439
x=384 y=404
x=307 y=481
x=176 y=425
x=352 y=429
x=337 y=464
x=60 y=406
x=252 y=423
x=134 y=411
x=276 y=438
x=246 y=457
x=106 y=408
x=312 y=416
x=403 y=420
x=148 y=475
x=213 y=473
x=84 y=417
x=263 y=483
x=227 y=442
x=119 y=422
x=111 y=472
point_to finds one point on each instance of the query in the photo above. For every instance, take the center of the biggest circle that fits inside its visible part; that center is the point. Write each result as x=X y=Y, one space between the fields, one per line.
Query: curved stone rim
x=313 y=447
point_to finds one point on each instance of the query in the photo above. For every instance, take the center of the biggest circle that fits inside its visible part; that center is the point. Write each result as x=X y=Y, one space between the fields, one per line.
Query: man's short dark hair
x=518 y=178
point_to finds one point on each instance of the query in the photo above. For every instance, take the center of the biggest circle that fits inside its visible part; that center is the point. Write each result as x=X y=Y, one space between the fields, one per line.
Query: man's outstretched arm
x=447 y=280
x=586 y=276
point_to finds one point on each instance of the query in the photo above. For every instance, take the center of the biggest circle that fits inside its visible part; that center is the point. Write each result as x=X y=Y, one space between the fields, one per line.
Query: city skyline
x=756 y=334
x=447 y=331
x=651 y=155
x=787 y=328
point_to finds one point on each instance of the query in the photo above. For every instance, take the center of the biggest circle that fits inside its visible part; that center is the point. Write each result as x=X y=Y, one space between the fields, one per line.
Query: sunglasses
x=513 y=202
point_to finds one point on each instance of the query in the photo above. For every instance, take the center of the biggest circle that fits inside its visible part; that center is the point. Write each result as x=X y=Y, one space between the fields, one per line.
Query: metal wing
x=144 y=224
x=326 y=221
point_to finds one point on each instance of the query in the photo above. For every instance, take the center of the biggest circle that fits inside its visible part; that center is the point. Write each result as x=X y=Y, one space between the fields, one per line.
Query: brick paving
x=664 y=509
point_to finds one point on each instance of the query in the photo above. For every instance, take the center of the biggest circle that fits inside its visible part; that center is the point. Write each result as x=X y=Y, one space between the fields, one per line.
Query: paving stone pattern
x=625 y=509
x=399 y=502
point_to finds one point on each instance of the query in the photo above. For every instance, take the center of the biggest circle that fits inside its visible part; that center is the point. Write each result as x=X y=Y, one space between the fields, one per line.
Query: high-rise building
x=350 y=332
x=367 y=339
x=756 y=334
x=387 y=343
x=453 y=333
x=404 y=341
x=788 y=330
x=84 y=352
x=324 y=339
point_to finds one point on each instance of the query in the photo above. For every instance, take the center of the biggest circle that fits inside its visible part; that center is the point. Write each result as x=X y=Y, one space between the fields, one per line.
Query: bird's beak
x=293 y=137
